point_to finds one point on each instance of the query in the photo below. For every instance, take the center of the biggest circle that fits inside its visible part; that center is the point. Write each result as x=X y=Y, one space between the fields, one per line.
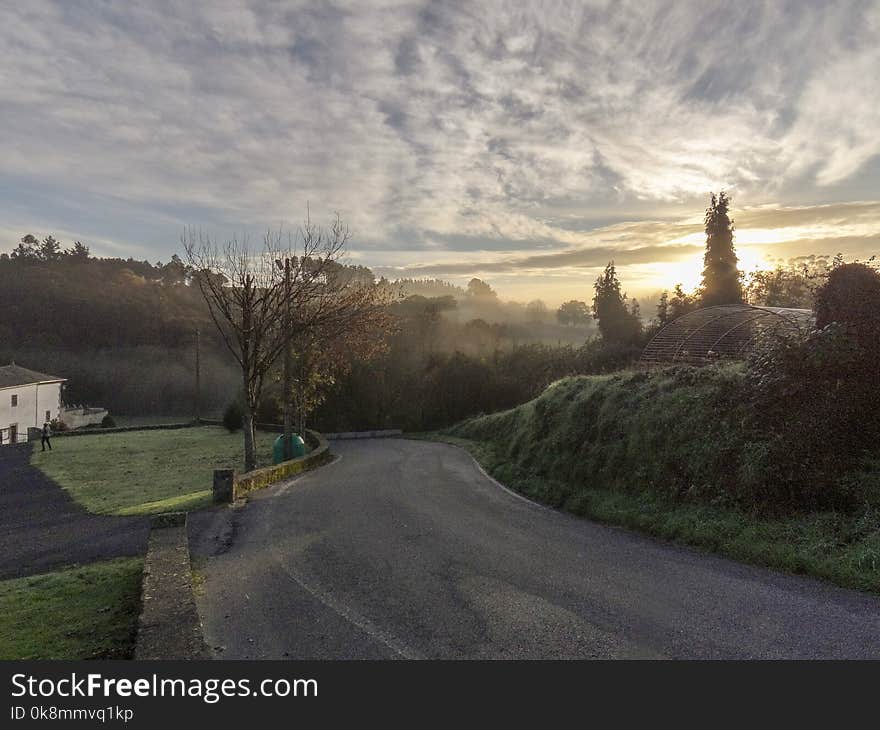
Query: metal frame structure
x=727 y=331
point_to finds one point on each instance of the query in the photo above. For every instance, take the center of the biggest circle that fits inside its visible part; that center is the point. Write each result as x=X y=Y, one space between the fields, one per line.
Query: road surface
x=404 y=549
x=42 y=528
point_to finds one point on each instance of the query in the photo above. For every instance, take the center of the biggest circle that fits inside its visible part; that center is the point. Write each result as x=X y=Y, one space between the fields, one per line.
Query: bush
x=850 y=295
x=269 y=409
x=233 y=417
x=108 y=422
x=599 y=356
x=816 y=399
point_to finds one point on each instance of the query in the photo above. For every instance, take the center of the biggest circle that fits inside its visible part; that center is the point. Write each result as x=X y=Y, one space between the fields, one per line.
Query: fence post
x=224 y=485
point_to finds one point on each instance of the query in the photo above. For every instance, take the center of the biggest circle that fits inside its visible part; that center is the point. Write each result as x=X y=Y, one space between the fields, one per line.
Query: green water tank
x=297 y=448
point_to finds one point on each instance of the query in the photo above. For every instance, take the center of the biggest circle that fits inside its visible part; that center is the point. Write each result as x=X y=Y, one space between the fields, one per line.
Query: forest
x=124 y=334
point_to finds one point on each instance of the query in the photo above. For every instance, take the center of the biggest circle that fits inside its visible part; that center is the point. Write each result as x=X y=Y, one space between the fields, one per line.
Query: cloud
x=432 y=126
x=657 y=254
x=584 y=258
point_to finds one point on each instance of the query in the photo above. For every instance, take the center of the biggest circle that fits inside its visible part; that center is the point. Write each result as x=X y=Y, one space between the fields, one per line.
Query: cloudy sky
x=526 y=142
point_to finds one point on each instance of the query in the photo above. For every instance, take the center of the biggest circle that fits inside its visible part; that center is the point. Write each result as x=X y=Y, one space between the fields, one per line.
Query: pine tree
x=78 y=252
x=616 y=322
x=681 y=303
x=721 y=278
x=50 y=249
x=662 y=318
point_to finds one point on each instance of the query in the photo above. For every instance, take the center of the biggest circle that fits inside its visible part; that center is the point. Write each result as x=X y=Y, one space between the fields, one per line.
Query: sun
x=689 y=271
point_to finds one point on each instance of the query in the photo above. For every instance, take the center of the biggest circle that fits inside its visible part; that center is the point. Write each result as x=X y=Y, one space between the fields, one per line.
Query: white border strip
x=501 y=486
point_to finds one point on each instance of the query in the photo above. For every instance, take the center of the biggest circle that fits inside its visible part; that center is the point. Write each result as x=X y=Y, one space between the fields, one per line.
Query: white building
x=27 y=400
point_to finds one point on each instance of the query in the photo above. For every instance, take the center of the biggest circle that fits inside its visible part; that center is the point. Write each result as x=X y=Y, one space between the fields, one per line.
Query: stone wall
x=230 y=486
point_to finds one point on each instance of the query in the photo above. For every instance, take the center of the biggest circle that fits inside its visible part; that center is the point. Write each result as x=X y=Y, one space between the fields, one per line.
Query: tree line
x=428 y=354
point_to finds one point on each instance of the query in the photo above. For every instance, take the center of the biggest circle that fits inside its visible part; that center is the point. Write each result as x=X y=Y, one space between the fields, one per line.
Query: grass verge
x=83 y=612
x=146 y=472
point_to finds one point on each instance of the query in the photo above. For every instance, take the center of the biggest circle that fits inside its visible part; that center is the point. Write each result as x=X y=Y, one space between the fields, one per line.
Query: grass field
x=146 y=472
x=87 y=612
x=653 y=454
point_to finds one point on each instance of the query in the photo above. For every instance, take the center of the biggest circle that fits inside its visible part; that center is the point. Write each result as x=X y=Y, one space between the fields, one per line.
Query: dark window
x=48 y=415
x=14 y=401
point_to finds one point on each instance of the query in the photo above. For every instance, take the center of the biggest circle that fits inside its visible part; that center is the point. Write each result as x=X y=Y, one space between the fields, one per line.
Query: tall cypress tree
x=721 y=278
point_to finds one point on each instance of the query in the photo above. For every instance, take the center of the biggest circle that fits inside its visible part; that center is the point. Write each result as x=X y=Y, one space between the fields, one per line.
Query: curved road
x=404 y=549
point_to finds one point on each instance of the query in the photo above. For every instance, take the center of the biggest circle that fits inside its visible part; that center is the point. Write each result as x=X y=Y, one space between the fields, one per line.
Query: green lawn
x=87 y=612
x=146 y=472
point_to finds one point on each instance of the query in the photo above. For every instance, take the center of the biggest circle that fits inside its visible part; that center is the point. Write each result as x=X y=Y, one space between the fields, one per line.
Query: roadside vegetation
x=775 y=460
x=663 y=452
x=83 y=612
x=146 y=472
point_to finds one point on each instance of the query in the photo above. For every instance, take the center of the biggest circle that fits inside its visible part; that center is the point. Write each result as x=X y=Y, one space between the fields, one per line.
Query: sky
x=526 y=143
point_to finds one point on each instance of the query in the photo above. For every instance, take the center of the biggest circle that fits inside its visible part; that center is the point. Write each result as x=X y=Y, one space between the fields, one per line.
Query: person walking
x=47 y=434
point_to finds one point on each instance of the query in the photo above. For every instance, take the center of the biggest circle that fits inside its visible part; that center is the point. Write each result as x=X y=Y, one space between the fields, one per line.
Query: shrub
x=108 y=422
x=599 y=356
x=816 y=398
x=269 y=409
x=233 y=417
x=850 y=295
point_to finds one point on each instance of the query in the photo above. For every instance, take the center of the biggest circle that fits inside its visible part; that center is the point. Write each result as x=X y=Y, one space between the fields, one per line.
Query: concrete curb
x=169 y=626
x=388 y=433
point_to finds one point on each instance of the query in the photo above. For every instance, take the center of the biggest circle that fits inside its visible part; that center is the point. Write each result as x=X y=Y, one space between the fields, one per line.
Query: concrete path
x=42 y=528
x=405 y=549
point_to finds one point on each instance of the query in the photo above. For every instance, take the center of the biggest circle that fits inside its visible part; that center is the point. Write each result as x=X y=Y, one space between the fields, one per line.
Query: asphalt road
x=42 y=528
x=404 y=549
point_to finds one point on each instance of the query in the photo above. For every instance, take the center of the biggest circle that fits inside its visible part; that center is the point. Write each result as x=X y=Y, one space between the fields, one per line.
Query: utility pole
x=198 y=408
x=288 y=415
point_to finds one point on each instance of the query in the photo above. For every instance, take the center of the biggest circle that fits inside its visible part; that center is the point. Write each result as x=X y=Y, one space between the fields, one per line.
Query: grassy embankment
x=87 y=612
x=146 y=472
x=666 y=453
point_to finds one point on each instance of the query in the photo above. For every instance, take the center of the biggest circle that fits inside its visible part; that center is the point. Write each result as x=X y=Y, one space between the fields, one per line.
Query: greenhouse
x=729 y=331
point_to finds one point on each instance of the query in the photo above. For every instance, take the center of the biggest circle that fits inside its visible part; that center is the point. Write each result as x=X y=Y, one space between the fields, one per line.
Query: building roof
x=725 y=331
x=13 y=375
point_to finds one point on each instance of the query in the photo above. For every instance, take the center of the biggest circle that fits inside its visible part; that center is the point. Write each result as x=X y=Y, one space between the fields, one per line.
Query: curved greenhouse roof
x=728 y=331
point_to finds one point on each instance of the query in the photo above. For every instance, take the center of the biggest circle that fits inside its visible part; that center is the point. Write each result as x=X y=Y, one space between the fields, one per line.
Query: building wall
x=79 y=417
x=33 y=402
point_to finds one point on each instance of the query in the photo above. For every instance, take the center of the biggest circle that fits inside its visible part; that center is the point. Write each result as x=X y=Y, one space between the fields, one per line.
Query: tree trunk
x=250 y=456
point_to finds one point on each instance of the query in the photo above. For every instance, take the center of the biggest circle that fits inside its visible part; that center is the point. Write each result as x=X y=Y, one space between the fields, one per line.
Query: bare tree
x=247 y=296
x=241 y=288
